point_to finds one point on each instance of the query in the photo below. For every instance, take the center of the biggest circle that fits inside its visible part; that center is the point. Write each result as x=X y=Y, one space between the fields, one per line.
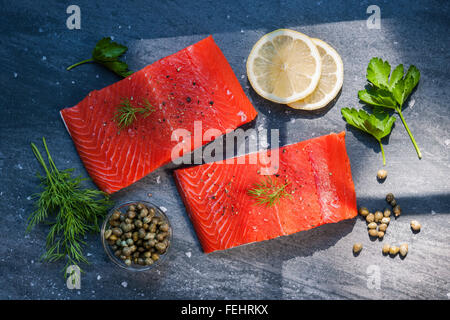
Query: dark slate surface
x=36 y=47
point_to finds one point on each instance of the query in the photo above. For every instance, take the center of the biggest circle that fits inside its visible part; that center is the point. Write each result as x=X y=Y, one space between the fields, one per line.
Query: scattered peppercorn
x=415 y=225
x=357 y=247
x=403 y=249
x=393 y=250
x=381 y=174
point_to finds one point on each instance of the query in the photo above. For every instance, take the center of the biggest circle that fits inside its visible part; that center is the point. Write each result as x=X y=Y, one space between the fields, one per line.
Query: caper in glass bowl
x=136 y=235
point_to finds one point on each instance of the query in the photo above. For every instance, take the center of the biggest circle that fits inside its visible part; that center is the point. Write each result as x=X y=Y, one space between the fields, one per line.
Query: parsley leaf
x=107 y=53
x=378 y=97
x=378 y=72
x=379 y=124
x=390 y=92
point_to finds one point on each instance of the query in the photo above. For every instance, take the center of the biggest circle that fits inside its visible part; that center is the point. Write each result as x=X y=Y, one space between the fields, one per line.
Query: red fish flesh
x=194 y=84
x=224 y=215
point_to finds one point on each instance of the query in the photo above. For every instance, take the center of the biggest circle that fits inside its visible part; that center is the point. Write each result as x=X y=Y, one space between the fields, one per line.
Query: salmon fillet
x=224 y=215
x=194 y=84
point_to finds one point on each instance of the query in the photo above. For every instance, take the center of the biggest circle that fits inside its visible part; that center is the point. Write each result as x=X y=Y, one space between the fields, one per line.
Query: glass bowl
x=109 y=251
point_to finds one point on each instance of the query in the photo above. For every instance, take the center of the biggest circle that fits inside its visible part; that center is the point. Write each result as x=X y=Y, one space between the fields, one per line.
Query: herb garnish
x=76 y=211
x=126 y=112
x=107 y=53
x=268 y=192
x=378 y=124
x=390 y=92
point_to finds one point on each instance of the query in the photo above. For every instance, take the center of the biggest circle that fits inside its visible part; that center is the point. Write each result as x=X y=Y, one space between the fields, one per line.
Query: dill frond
x=269 y=192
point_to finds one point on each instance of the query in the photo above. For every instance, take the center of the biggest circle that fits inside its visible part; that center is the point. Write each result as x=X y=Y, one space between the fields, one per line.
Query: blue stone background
x=35 y=49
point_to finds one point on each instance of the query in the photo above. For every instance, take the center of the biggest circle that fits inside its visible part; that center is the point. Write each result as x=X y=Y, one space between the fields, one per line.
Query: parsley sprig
x=107 y=53
x=390 y=92
x=379 y=124
x=268 y=192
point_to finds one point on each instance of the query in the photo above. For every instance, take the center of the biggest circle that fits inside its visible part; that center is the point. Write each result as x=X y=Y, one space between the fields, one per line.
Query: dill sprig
x=71 y=211
x=268 y=192
x=125 y=114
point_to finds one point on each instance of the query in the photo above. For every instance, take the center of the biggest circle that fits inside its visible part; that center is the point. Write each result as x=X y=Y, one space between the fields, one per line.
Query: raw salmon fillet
x=224 y=215
x=194 y=84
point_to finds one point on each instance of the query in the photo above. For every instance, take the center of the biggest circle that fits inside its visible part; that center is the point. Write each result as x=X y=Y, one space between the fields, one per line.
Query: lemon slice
x=284 y=66
x=331 y=79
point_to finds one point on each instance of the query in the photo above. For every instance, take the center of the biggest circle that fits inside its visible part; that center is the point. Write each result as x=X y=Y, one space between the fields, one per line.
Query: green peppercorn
x=117 y=232
x=161 y=247
x=115 y=215
x=114 y=223
x=131 y=214
x=155 y=256
x=138 y=224
x=126 y=251
x=108 y=233
x=146 y=220
x=143 y=213
x=164 y=227
x=161 y=236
